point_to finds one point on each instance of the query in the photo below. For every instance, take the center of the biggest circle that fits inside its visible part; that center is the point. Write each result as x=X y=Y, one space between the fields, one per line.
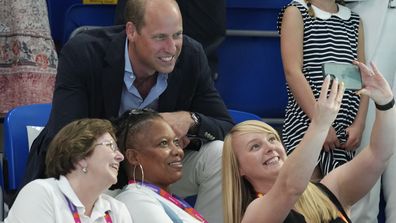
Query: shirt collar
x=343 y=13
x=100 y=207
x=68 y=191
x=129 y=76
x=128 y=67
x=129 y=71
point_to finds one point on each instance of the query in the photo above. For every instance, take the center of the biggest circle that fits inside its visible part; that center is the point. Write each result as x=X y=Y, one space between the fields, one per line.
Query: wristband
x=386 y=106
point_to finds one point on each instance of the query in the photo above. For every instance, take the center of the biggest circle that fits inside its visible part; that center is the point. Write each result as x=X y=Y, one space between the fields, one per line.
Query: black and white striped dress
x=333 y=39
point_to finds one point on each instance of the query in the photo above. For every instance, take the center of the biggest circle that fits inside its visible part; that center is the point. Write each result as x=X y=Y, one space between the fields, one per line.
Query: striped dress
x=331 y=39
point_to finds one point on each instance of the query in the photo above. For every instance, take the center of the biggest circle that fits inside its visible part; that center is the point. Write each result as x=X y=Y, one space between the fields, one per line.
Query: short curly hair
x=73 y=143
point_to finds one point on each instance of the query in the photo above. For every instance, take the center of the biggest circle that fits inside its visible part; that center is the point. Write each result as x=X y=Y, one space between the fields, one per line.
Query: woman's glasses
x=111 y=145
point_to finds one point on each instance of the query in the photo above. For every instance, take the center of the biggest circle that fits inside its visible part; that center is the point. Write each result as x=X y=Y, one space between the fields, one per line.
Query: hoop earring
x=134 y=174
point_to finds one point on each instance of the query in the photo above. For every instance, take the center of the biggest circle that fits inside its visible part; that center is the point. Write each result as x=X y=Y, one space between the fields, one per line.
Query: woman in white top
x=82 y=162
x=153 y=162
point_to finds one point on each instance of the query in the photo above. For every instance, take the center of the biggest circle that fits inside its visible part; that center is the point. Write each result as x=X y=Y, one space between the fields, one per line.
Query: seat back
x=87 y=15
x=82 y=29
x=1 y=195
x=254 y=82
x=240 y=116
x=16 y=144
x=56 y=14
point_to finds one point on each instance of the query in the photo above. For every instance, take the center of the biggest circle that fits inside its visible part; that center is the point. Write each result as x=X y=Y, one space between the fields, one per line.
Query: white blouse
x=43 y=201
x=146 y=206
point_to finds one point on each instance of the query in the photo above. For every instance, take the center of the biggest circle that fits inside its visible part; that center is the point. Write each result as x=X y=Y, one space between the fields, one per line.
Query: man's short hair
x=134 y=12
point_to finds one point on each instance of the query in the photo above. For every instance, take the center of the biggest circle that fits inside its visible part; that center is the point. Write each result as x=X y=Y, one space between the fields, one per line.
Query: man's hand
x=180 y=122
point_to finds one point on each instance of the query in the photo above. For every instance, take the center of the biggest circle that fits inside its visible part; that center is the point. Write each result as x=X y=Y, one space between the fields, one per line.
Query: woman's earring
x=84 y=169
x=142 y=174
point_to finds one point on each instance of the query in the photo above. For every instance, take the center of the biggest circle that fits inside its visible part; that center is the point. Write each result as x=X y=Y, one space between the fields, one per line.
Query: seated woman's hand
x=327 y=106
x=374 y=84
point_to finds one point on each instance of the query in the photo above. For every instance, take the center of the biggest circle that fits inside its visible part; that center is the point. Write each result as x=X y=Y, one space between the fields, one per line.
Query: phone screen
x=347 y=73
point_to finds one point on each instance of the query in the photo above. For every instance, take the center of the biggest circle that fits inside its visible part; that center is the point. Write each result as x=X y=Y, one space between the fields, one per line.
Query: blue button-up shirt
x=130 y=97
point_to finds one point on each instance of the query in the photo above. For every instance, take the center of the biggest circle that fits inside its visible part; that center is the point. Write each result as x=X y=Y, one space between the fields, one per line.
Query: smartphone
x=347 y=73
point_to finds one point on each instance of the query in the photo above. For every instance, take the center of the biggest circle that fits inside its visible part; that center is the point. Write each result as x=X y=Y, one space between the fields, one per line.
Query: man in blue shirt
x=147 y=63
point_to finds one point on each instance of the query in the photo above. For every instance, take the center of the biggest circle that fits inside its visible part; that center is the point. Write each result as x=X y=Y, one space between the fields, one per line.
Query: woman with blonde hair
x=262 y=184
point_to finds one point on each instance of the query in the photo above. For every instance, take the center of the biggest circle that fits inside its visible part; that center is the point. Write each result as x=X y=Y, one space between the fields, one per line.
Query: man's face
x=157 y=45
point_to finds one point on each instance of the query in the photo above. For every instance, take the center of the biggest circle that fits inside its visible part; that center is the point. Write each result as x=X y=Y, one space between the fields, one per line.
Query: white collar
x=343 y=12
x=67 y=190
x=101 y=205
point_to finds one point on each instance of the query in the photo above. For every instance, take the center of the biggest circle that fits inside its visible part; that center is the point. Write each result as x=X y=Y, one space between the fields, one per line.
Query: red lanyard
x=175 y=200
x=76 y=216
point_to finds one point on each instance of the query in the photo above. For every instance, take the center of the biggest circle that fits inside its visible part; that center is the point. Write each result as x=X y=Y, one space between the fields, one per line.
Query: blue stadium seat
x=1 y=195
x=240 y=116
x=250 y=68
x=56 y=15
x=16 y=144
x=87 y=15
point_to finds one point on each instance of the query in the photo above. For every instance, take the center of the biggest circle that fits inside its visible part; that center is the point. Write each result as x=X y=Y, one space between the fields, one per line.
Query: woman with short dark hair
x=153 y=161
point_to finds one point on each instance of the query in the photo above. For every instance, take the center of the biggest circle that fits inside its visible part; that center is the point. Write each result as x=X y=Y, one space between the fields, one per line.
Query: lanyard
x=175 y=200
x=76 y=216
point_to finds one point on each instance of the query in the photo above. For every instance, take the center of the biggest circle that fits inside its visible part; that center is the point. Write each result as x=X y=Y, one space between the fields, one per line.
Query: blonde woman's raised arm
x=296 y=172
x=353 y=180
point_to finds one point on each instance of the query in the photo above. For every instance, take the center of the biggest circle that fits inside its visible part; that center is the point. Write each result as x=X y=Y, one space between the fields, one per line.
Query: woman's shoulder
x=294 y=216
x=38 y=194
x=111 y=200
x=115 y=205
x=137 y=193
x=39 y=185
x=143 y=204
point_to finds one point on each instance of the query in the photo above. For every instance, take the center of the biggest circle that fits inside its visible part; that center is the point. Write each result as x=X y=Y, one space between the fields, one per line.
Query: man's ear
x=132 y=156
x=130 y=30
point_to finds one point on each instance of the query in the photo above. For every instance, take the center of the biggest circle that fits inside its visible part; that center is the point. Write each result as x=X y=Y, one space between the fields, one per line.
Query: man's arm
x=70 y=102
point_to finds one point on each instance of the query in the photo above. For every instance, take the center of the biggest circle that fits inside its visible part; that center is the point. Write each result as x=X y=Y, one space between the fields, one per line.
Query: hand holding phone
x=347 y=73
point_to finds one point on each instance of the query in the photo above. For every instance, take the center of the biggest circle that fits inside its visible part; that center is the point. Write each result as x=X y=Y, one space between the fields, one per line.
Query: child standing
x=314 y=32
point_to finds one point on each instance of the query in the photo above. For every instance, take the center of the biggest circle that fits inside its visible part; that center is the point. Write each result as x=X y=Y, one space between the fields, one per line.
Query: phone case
x=347 y=73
